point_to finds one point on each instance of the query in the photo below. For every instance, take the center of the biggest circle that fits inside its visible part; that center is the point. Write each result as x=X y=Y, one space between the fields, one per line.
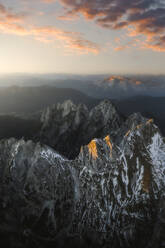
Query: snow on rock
x=111 y=195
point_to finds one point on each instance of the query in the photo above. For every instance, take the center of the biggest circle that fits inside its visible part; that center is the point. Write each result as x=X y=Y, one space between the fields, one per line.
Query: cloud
x=71 y=40
x=11 y=28
x=7 y=15
x=146 y=17
x=48 y=1
x=11 y=23
x=120 y=47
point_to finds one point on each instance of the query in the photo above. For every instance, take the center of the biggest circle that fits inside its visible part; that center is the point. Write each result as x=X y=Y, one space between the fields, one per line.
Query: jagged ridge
x=66 y=127
x=111 y=195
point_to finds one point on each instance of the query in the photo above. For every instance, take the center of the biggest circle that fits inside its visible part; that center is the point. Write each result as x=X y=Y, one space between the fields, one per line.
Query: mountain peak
x=104 y=106
x=68 y=125
x=121 y=80
x=115 y=187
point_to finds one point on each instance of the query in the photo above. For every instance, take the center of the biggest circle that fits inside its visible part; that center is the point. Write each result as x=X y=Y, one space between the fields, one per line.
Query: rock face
x=111 y=195
x=67 y=126
x=37 y=194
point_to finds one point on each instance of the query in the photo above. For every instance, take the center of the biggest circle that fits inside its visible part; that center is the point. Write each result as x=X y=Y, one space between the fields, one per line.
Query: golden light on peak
x=150 y=121
x=139 y=126
x=127 y=133
x=92 y=147
x=138 y=82
x=115 y=77
x=108 y=141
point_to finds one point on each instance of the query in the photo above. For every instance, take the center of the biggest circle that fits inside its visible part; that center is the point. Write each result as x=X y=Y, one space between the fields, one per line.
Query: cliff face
x=129 y=177
x=36 y=194
x=66 y=127
x=111 y=195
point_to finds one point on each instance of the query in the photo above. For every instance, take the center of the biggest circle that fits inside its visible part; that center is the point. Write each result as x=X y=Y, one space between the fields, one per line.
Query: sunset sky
x=82 y=36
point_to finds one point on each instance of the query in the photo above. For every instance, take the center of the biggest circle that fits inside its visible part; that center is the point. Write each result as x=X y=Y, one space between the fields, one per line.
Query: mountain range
x=27 y=100
x=83 y=172
x=96 y=86
x=110 y=194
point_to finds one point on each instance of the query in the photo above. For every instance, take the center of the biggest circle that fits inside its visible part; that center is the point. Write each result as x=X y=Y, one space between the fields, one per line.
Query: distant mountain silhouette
x=30 y=99
x=21 y=107
x=117 y=87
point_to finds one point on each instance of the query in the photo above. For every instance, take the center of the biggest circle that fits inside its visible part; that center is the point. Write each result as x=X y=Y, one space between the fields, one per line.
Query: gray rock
x=111 y=195
x=67 y=126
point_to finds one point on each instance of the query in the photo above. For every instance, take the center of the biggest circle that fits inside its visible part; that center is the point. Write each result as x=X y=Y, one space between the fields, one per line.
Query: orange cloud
x=145 y=17
x=12 y=28
x=121 y=48
x=71 y=40
x=157 y=44
x=48 y=1
x=8 y=16
x=12 y=23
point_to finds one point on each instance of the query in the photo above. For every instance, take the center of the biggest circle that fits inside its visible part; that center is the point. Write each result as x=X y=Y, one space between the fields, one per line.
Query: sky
x=82 y=36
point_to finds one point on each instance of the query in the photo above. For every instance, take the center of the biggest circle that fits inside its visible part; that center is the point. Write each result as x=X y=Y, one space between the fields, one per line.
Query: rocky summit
x=111 y=195
x=66 y=127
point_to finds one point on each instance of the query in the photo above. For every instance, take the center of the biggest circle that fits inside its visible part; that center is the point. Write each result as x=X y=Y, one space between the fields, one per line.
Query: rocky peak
x=112 y=189
x=134 y=169
x=106 y=112
x=141 y=145
x=135 y=119
x=66 y=108
x=67 y=126
x=105 y=106
x=140 y=127
x=63 y=109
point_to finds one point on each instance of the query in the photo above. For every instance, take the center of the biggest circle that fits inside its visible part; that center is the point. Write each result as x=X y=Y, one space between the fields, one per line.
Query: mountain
x=32 y=79
x=117 y=87
x=66 y=127
x=96 y=86
x=63 y=126
x=30 y=99
x=121 y=87
x=111 y=195
x=147 y=105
